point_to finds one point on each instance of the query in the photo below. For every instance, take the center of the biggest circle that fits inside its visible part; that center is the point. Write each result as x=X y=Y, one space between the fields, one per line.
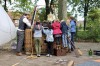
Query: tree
x=84 y=6
x=94 y=24
x=5 y=3
x=61 y=5
x=42 y=13
x=62 y=9
x=49 y=6
x=23 y=5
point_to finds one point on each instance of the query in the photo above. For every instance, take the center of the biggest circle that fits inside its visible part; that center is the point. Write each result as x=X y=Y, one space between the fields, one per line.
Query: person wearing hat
x=23 y=23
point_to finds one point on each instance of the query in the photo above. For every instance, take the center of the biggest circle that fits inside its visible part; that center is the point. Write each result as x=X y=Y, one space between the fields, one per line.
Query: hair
x=72 y=18
x=37 y=23
x=26 y=13
x=49 y=25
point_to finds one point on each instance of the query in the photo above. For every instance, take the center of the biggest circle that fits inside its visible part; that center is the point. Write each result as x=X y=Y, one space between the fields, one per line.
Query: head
x=71 y=18
x=37 y=23
x=68 y=21
x=27 y=14
x=49 y=25
x=62 y=21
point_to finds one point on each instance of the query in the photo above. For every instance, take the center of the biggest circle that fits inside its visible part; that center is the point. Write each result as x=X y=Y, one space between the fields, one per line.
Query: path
x=8 y=57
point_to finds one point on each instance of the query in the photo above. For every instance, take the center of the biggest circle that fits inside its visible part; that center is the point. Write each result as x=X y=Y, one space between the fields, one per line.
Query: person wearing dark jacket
x=64 y=29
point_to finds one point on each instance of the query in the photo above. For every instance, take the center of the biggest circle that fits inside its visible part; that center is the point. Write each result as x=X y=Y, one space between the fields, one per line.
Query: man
x=23 y=23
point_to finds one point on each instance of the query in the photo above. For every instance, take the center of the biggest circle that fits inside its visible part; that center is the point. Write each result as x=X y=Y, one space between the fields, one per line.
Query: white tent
x=7 y=28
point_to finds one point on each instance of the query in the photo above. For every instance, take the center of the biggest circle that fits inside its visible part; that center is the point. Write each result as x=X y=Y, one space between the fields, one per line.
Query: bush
x=93 y=27
x=87 y=36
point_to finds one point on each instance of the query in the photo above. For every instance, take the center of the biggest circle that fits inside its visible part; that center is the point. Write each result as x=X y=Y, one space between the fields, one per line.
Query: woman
x=37 y=37
x=49 y=39
x=57 y=31
x=72 y=28
x=64 y=29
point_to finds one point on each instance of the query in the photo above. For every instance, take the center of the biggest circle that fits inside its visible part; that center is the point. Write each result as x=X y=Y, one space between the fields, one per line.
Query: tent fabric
x=7 y=28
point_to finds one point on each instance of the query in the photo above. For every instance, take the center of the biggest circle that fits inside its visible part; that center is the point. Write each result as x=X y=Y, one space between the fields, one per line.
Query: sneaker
x=48 y=55
x=19 y=54
x=38 y=55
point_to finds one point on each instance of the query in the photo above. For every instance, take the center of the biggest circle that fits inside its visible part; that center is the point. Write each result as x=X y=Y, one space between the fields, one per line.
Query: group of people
x=54 y=32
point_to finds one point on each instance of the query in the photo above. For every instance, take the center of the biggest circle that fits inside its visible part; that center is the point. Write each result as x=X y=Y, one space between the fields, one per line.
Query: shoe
x=19 y=54
x=72 y=49
x=48 y=55
x=38 y=55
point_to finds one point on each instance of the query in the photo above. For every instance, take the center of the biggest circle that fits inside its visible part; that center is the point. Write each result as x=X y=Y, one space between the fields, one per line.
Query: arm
x=26 y=21
x=44 y=31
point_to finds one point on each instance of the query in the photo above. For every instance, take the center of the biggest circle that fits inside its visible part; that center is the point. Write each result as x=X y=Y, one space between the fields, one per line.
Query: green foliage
x=42 y=14
x=93 y=27
x=24 y=5
x=80 y=4
x=4 y=3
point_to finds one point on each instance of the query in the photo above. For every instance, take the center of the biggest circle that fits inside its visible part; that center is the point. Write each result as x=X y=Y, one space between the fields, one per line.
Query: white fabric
x=7 y=28
x=38 y=33
x=49 y=35
x=25 y=20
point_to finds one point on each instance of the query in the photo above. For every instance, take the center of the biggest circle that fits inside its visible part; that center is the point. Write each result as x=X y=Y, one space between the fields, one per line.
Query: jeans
x=72 y=39
x=72 y=36
x=64 y=40
x=37 y=42
x=69 y=43
x=20 y=40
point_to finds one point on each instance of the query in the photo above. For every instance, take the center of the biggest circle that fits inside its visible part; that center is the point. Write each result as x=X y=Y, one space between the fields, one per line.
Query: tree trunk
x=62 y=9
x=5 y=5
x=85 y=12
x=47 y=8
x=0 y=1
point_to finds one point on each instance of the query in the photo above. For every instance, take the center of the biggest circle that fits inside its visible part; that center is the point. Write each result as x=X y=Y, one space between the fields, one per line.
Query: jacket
x=22 y=25
x=64 y=27
x=49 y=35
x=37 y=31
x=73 y=26
x=56 y=28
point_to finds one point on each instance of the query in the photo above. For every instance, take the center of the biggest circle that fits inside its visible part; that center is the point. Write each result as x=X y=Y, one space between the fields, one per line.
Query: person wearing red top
x=57 y=31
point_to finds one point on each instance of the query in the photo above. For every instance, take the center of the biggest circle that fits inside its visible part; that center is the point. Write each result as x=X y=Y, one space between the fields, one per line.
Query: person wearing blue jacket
x=72 y=28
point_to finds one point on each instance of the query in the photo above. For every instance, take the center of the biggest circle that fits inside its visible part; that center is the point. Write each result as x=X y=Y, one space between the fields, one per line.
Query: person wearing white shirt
x=23 y=23
x=49 y=39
